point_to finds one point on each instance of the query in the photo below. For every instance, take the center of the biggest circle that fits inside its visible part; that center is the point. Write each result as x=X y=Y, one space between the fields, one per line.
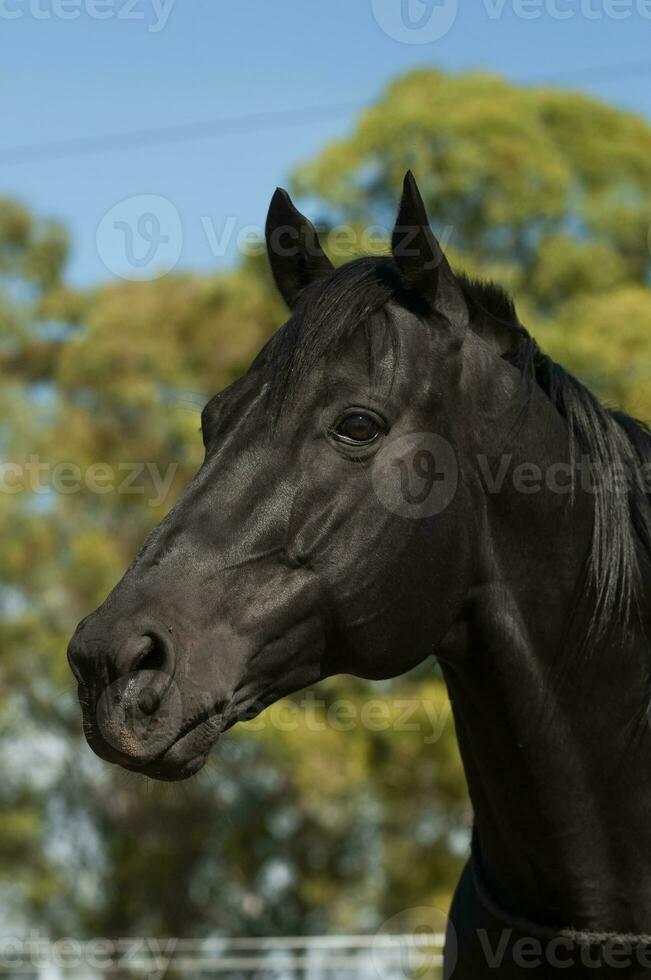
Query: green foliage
x=300 y=827
x=548 y=192
x=606 y=339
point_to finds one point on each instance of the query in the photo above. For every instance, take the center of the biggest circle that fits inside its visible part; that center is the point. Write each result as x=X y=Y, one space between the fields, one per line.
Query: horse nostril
x=149 y=701
x=146 y=652
x=151 y=655
x=145 y=666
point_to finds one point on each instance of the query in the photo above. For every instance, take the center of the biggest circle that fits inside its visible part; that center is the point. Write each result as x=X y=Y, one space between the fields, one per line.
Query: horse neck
x=553 y=732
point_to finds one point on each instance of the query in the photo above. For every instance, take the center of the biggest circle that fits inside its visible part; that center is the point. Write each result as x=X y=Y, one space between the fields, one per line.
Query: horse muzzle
x=137 y=711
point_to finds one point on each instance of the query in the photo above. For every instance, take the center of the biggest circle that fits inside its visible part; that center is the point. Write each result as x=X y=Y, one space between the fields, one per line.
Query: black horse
x=403 y=473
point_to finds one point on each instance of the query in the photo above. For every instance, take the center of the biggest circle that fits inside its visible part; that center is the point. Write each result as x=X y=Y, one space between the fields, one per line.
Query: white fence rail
x=379 y=957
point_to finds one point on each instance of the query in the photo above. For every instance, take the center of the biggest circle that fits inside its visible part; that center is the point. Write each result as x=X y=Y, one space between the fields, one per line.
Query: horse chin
x=168 y=770
x=180 y=759
x=186 y=756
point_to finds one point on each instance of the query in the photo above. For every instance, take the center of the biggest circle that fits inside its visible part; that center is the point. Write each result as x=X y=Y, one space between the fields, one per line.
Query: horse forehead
x=238 y=402
x=399 y=343
x=416 y=352
x=402 y=353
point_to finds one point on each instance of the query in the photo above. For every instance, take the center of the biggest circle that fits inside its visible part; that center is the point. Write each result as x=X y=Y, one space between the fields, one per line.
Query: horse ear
x=423 y=266
x=295 y=254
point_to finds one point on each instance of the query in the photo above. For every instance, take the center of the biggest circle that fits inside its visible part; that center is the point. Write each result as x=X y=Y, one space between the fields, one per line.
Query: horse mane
x=616 y=446
x=354 y=298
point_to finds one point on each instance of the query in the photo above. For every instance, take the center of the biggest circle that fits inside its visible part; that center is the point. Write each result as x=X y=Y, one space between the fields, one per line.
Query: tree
x=548 y=192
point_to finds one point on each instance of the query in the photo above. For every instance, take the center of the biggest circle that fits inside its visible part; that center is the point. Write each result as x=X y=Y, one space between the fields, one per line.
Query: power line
x=607 y=73
x=256 y=122
x=178 y=133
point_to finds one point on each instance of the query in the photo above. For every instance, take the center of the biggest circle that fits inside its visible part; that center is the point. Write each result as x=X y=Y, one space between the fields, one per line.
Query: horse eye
x=358 y=427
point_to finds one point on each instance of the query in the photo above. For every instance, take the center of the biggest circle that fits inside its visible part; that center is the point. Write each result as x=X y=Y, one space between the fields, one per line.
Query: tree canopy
x=548 y=192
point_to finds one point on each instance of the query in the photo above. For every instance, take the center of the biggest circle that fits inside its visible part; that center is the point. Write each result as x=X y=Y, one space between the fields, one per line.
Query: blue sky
x=67 y=74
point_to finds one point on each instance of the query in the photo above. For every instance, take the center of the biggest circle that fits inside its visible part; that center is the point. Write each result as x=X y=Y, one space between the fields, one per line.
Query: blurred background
x=141 y=141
